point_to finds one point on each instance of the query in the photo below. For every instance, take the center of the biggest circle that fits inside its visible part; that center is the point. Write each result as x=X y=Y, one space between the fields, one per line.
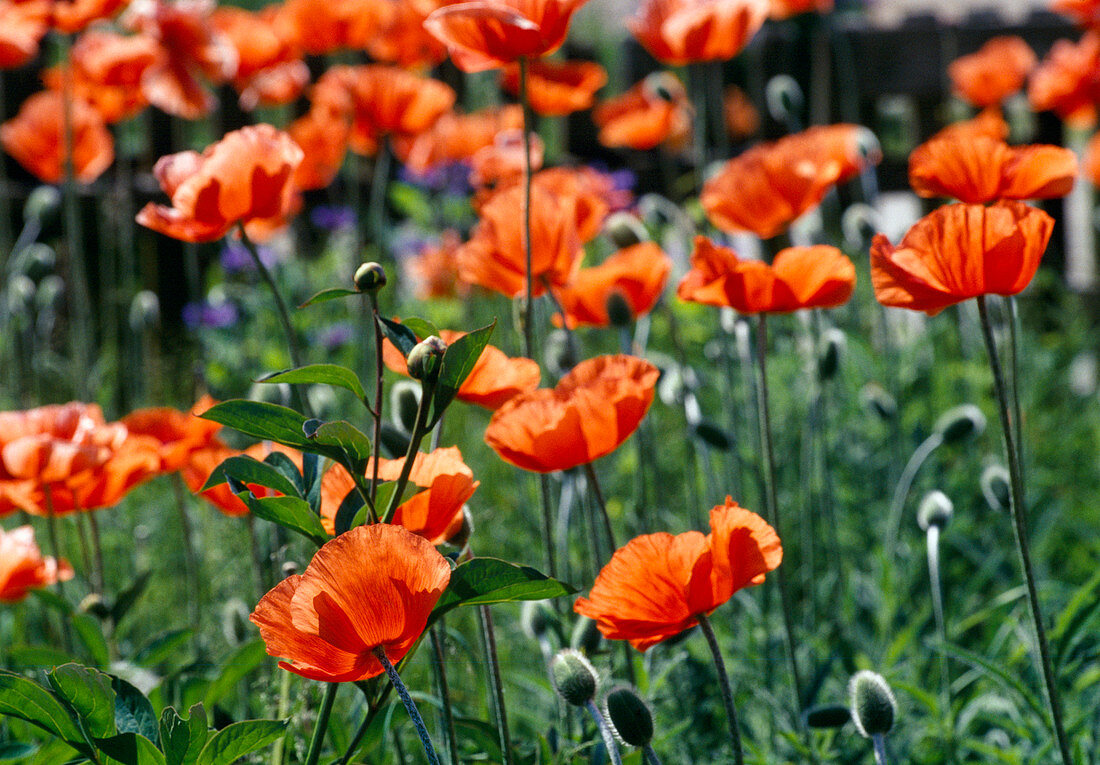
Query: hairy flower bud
x=629 y=716
x=960 y=423
x=574 y=677
x=873 y=704
x=935 y=510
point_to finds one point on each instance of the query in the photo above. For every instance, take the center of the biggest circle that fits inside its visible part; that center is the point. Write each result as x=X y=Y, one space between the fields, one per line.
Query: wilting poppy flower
x=202 y=462
x=634 y=275
x=457 y=137
x=800 y=277
x=435 y=513
x=22 y=26
x=494 y=379
x=244 y=176
x=678 y=32
x=764 y=189
x=178 y=434
x=370 y=588
x=487 y=34
x=657 y=585
x=192 y=51
x=587 y=415
x=992 y=74
x=269 y=69
x=35 y=137
x=320 y=26
x=556 y=88
x=107 y=69
x=958 y=252
x=979 y=169
x=22 y=566
x=1067 y=81
x=655 y=111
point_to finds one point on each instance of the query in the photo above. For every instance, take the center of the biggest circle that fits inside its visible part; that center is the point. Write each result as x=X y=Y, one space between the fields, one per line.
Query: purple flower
x=209 y=315
x=235 y=257
x=448 y=177
x=334 y=336
x=332 y=217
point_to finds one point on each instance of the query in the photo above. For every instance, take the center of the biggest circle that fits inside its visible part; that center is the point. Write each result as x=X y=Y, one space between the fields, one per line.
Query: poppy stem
x=1014 y=368
x=529 y=306
x=55 y=545
x=901 y=492
x=649 y=756
x=314 y=753
x=427 y=391
x=594 y=482
x=548 y=525
x=496 y=683
x=1019 y=527
x=771 y=501
x=440 y=667
x=878 y=741
x=97 y=551
x=190 y=560
x=282 y=710
x=377 y=410
x=724 y=683
x=605 y=733
x=284 y=314
x=933 y=544
x=410 y=705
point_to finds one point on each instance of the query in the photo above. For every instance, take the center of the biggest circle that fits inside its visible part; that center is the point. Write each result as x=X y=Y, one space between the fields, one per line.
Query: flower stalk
x=724 y=683
x=410 y=705
x=314 y=752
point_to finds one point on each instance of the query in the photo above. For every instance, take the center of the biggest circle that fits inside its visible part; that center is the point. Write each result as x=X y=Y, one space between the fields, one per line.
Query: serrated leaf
x=325 y=374
x=346 y=437
x=400 y=335
x=289 y=512
x=27 y=700
x=133 y=712
x=247 y=470
x=126 y=599
x=183 y=739
x=260 y=419
x=239 y=663
x=130 y=749
x=234 y=741
x=88 y=693
x=489 y=580
x=458 y=362
x=90 y=632
x=333 y=293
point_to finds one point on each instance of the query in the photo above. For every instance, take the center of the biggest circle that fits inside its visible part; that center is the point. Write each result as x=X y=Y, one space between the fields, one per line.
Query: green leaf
x=11 y=751
x=489 y=580
x=260 y=420
x=422 y=328
x=1009 y=680
x=133 y=712
x=349 y=510
x=181 y=738
x=90 y=632
x=347 y=438
x=30 y=656
x=285 y=465
x=162 y=647
x=53 y=600
x=325 y=374
x=126 y=599
x=27 y=700
x=130 y=749
x=411 y=203
x=333 y=293
x=289 y=512
x=88 y=693
x=234 y=741
x=400 y=335
x=458 y=362
x=251 y=471
x=234 y=669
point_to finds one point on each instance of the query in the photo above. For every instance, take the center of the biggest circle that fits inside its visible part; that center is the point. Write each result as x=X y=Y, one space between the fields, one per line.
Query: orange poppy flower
x=244 y=176
x=107 y=69
x=72 y=16
x=764 y=189
x=1091 y=162
x=434 y=269
x=269 y=69
x=655 y=111
x=177 y=433
x=800 y=277
x=191 y=51
x=495 y=378
x=1084 y=12
x=202 y=462
x=435 y=513
x=988 y=123
x=783 y=9
x=457 y=137
x=22 y=567
x=22 y=26
x=979 y=169
x=678 y=32
x=741 y=118
x=502 y=162
x=556 y=88
x=370 y=588
x=35 y=137
x=320 y=26
x=657 y=585
x=323 y=136
x=593 y=191
x=996 y=71
x=587 y=415
x=1067 y=81
x=958 y=252
x=487 y=34
x=404 y=41
x=635 y=274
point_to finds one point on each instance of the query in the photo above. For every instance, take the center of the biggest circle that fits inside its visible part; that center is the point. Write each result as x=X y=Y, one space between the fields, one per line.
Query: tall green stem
x=444 y=693
x=878 y=741
x=1019 y=527
x=191 y=561
x=933 y=540
x=55 y=545
x=496 y=683
x=410 y=705
x=727 y=691
x=414 y=444
x=321 y=727
x=376 y=412
x=605 y=733
x=529 y=306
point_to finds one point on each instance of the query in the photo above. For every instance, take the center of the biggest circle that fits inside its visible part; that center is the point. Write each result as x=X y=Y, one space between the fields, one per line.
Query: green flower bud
x=290 y=568
x=995 y=487
x=36 y=260
x=235 y=625
x=20 y=295
x=960 y=423
x=426 y=358
x=144 y=311
x=43 y=202
x=370 y=277
x=935 y=510
x=619 y=312
x=560 y=352
x=536 y=618
x=828 y=716
x=828 y=362
x=624 y=230
x=461 y=538
x=875 y=398
x=586 y=636
x=630 y=717
x=94 y=604
x=872 y=702
x=404 y=403
x=49 y=294
x=574 y=677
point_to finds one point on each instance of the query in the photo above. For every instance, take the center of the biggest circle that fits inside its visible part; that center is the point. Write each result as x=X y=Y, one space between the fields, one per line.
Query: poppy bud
x=426 y=358
x=370 y=277
x=21 y=291
x=144 y=311
x=50 y=291
x=873 y=704
x=995 y=487
x=828 y=362
x=828 y=716
x=784 y=98
x=36 y=260
x=629 y=716
x=461 y=538
x=713 y=434
x=586 y=636
x=235 y=625
x=290 y=568
x=624 y=230
x=879 y=401
x=94 y=604
x=960 y=423
x=935 y=510
x=574 y=677
x=536 y=618
x=404 y=403
x=619 y=312
x=395 y=441
x=42 y=203
x=560 y=352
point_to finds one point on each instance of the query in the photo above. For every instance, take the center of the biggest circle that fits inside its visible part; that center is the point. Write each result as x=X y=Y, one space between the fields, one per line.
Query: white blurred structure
x=889 y=13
